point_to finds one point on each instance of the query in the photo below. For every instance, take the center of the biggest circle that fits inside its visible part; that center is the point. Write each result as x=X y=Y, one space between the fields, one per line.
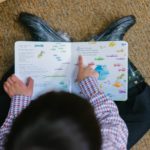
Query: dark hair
x=55 y=121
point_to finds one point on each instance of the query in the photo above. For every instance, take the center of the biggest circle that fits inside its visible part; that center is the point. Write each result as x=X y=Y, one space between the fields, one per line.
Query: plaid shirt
x=113 y=129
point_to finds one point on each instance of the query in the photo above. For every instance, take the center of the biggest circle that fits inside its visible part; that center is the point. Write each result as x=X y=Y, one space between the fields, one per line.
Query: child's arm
x=18 y=103
x=113 y=129
x=21 y=98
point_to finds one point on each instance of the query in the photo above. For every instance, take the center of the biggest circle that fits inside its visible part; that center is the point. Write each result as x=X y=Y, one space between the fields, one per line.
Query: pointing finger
x=80 y=62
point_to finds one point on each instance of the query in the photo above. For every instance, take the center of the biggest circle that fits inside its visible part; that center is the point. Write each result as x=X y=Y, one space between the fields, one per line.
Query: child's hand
x=13 y=86
x=85 y=72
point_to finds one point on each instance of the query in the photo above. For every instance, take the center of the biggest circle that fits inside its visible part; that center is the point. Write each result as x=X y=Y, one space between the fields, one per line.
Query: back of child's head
x=55 y=121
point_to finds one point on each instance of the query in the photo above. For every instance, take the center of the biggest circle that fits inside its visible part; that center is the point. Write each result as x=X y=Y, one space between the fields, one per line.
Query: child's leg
x=4 y=98
x=136 y=113
x=4 y=107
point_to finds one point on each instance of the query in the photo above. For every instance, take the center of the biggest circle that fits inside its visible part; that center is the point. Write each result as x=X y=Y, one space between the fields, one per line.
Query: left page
x=47 y=63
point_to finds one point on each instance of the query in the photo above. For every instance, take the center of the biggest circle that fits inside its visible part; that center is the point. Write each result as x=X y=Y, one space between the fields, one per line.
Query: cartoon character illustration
x=112 y=44
x=117 y=84
x=121 y=76
x=102 y=71
x=122 y=91
x=117 y=65
x=41 y=54
x=99 y=58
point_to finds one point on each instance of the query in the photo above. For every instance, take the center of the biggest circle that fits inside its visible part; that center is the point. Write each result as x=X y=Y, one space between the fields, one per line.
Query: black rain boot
x=116 y=30
x=40 y=30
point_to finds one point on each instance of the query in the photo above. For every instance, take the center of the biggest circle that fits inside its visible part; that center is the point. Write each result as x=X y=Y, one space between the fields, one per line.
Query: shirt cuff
x=89 y=87
x=18 y=103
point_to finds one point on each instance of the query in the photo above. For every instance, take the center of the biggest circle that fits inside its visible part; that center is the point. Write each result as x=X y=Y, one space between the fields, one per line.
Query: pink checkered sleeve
x=18 y=103
x=113 y=129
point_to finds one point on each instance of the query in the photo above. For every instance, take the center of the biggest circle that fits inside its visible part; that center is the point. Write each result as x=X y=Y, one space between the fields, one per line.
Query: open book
x=53 y=65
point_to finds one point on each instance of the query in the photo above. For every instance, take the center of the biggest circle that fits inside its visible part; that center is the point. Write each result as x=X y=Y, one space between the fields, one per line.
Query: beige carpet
x=80 y=18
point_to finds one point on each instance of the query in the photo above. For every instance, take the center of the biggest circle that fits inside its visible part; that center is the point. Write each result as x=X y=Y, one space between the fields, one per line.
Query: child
x=62 y=121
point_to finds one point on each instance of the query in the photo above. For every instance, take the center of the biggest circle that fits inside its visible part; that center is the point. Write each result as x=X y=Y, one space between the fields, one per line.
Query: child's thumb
x=30 y=83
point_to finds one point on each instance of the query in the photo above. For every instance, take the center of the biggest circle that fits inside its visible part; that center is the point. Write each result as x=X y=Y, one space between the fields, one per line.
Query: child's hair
x=55 y=121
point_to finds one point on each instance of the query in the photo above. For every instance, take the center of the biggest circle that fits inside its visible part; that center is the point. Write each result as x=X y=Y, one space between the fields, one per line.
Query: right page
x=110 y=61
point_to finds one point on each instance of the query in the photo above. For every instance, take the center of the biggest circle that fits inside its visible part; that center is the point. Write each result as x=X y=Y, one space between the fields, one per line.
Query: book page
x=47 y=63
x=111 y=62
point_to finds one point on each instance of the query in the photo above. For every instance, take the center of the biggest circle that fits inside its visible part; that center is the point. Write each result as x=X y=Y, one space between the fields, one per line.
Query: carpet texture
x=80 y=19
